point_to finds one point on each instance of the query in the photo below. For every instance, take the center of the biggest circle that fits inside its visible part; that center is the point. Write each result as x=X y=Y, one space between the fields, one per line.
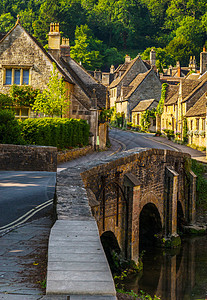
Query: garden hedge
x=61 y=133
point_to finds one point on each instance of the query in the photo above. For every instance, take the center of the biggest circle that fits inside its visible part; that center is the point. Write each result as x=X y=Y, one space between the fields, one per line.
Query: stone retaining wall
x=28 y=158
x=67 y=155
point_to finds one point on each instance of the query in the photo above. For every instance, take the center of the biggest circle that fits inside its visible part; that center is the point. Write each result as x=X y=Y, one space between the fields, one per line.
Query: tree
x=6 y=22
x=163 y=58
x=86 y=48
x=5 y=101
x=53 y=100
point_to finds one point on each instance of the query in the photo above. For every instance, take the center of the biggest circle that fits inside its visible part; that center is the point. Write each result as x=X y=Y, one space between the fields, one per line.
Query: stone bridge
x=137 y=196
x=132 y=195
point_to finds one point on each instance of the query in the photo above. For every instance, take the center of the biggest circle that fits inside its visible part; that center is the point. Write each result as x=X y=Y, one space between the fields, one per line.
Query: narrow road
x=132 y=140
x=24 y=196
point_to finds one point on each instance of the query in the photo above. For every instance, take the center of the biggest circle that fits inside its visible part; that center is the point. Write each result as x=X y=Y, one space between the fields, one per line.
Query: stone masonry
x=28 y=158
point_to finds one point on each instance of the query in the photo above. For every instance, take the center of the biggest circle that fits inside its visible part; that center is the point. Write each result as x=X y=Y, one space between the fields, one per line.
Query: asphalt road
x=132 y=140
x=24 y=196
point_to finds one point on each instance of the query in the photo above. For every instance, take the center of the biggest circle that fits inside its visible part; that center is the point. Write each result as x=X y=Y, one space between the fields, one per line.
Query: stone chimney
x=127 y=59
x=192 y=63
x=203 y=61
x=178 y=69
x=152 y=57
x=94 y=100
x=112 y=69
x=65 y=49
x=54 y=40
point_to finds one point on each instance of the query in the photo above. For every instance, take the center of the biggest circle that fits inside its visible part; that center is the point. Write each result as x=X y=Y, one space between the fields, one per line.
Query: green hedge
x=9 y=128
x=61 y=133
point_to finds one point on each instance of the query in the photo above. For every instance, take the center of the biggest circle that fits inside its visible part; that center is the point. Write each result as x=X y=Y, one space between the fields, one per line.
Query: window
x=191 y=125
x=203 y=124
x=197 y=124
x=137 y=119
x=17 y=76
x=22 y=112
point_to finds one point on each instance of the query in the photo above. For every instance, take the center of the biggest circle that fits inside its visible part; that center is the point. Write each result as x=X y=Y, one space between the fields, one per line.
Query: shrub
x=9 y=128
x=62 y=133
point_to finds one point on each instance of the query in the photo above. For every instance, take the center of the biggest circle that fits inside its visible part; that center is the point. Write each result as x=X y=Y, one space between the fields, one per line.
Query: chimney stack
x=127 y=59
x=54 y=40
x=112 y=69
x=152 y=57
x=203 y=61
x=178 y=69
x=65 y=49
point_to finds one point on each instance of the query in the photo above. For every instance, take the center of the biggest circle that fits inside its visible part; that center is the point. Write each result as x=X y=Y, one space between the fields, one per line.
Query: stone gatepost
x=94 y=127
x=132 y=185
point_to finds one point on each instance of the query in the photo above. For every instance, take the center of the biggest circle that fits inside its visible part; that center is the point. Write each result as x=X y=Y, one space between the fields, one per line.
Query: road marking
x=176 y=149
x=122 y=145
x=26 y=216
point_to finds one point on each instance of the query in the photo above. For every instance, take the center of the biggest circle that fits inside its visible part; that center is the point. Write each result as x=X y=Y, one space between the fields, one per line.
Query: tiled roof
x=188 y=86
x=171 y=95
x=136 y=82
x=86 y=82
x=126 y=67
x=144 y=105
x=199 y=108
x=193 y=90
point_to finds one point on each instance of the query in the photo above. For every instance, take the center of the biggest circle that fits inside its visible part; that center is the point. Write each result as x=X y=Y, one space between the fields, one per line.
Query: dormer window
x=14 y=75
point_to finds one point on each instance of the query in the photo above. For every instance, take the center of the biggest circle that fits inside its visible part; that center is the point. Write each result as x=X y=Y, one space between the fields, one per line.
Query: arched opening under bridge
x=149 y=225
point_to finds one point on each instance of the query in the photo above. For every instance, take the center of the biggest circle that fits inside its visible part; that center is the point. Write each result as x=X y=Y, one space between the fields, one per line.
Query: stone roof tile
x=144 y=105
x=199 y=108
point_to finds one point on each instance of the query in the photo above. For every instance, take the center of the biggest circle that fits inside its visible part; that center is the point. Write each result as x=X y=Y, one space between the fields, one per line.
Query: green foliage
x=9 y=128
x=160 y=106
x=146 y=117
x=6 y=22
x=86 y=48
x=201 y=184
x=53 y=100
x=163 y=58
x=177 y=28
x=23 y=95
x=6 y=102
x=61 y=133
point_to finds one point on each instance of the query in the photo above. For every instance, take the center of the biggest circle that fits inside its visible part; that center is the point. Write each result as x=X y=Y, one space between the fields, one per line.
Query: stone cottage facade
x=23 y=60
x=186 y=101
x=134 y=81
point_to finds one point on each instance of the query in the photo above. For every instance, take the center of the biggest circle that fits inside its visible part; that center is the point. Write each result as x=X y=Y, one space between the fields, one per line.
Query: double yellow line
x=25 y=217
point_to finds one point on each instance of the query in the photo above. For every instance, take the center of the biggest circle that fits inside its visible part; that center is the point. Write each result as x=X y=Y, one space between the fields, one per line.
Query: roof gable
x=129 y=66
x=145 y=104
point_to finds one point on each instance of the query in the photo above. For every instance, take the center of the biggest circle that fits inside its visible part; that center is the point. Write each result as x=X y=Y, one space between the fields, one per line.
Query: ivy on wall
x=160 y=106
x=146 y=117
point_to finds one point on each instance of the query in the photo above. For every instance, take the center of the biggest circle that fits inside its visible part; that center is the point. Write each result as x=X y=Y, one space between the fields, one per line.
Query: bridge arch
x=149 y=225
x=151 y=198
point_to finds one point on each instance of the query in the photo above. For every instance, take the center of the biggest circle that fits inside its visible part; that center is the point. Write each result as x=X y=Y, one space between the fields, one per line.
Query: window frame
x=14 y=68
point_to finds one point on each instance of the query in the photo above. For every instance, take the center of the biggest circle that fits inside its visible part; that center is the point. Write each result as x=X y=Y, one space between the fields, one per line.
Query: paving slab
x=79 y=265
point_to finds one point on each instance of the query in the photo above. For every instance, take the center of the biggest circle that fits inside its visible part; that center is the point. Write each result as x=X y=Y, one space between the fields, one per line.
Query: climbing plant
x=146 y=118
x=160 y=106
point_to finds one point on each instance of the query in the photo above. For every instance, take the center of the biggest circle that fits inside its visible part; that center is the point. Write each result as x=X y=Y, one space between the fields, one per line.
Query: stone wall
x=116 y=189
x=28 y=158
x=67 y=155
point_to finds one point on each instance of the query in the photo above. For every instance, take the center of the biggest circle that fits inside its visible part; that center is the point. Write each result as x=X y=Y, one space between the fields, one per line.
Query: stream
x=174 y=274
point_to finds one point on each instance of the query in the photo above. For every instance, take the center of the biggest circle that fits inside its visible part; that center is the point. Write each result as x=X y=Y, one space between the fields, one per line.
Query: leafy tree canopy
x=53 y=100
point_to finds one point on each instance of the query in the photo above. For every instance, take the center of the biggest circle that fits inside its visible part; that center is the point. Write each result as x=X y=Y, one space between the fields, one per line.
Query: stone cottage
x=134 y=81
x=23 y=60
x=141 y=107
x=186 y=101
